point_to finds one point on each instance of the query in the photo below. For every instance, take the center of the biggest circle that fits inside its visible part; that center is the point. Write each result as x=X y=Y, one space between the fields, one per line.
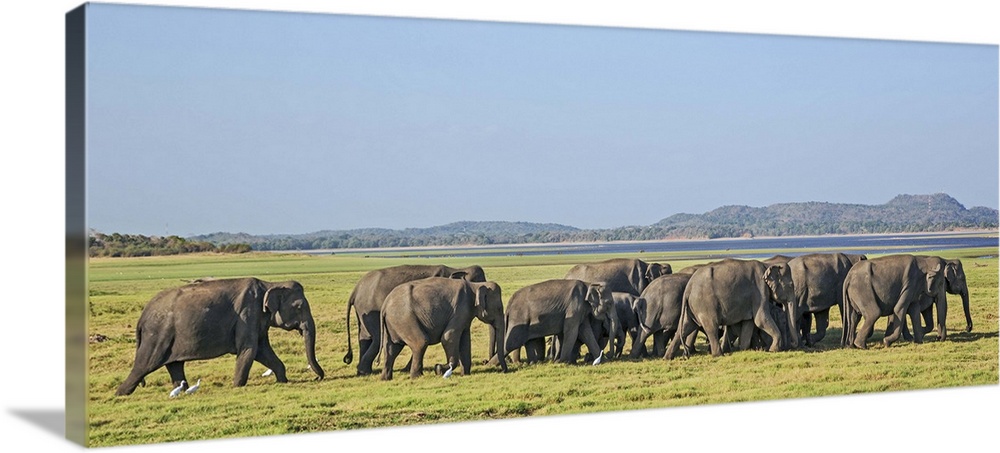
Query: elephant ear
x=595 y=293
x=772 y=275
x=639 y=308
x=480 y=306
x=272 y=299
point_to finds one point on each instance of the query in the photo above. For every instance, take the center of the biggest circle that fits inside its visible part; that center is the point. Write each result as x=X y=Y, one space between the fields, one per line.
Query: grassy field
x=119 y=288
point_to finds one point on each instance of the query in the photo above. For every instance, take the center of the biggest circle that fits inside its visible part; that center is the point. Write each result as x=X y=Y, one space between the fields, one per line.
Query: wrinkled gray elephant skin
x=658 y=312
x=954 y=277
x=886 y=286
x=619 y=274
x=567 y=308
x=734 y=294
x=369 y=294
x=438 y=310
x=628 y=322
x=819 y=285
x=216 y=317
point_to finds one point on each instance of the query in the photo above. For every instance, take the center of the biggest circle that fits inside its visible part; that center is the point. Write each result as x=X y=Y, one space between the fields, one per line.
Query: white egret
x=447 y=373
x=193 y=388
x=268 y=372
x=598 y=359
x=177 y=391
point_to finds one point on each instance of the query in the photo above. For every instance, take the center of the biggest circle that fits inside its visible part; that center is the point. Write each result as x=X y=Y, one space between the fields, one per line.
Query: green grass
x=119 y=288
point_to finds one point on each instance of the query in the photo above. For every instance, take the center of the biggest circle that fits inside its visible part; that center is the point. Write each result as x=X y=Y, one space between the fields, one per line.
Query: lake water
x=737 y=248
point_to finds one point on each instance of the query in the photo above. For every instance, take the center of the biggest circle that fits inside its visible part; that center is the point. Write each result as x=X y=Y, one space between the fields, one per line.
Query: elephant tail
x=349 y=357
x=685 y=308
x=384 y=336
x=847 y=338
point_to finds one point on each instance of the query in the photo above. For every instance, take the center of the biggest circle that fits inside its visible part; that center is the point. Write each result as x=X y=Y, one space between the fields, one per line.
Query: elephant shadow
x=967 y=337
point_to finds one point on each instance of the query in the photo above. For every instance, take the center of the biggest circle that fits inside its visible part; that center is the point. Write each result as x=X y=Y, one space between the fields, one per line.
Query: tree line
x=127 y=245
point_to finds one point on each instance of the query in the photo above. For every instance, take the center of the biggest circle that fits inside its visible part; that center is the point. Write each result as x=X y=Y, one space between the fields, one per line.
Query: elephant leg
x=639 y=342
x=822 y=323
x=746 y=335
x=515 y=357
x=363 y=346
x=513 y=341
x=372 y=325
x=392 y=350
x=465 y=351
x=451 y=341
x=865 y=331
x=587 y=335
x=417 y=367
x=537 y=350
x=767 y=325
x=267 y=357
x=176 y=370
x=712 y=332
x=570 y=332
x=534 y=350
x=680 y=339
x=805 y=326
x=244 y=359
x=147 y=360
x=942 y=309
x=918 y=331
x=660 y=341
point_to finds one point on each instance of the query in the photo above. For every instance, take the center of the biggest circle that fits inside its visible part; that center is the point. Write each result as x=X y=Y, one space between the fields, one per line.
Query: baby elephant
x=439 y=310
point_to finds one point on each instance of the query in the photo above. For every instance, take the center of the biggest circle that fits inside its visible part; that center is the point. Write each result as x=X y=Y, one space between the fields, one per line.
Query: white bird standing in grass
x=598 y=359
x=177 y=391
x=193 y=388
x=447 y=373
x=268 y=372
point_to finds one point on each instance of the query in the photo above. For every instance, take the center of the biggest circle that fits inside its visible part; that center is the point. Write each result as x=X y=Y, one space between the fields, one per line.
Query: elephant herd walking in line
x=735 y=303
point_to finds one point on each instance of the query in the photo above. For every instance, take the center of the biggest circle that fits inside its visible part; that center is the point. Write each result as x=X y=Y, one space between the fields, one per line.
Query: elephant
x=619 y=274
x=954 y=279
x=628 y=325
x=435 y=310
x=369 y=294
x=602 y=332
x=208 y=319
x=658 y=312
x=628 y=322
x=734 y=293
x=886 y=286
x=819 y=283
x=567 y=308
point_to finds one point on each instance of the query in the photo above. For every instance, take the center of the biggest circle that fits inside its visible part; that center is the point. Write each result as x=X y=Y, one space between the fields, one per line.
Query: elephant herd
x=735 y=303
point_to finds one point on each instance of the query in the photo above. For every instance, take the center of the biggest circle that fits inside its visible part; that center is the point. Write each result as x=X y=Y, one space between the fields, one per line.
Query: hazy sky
x=209 y=120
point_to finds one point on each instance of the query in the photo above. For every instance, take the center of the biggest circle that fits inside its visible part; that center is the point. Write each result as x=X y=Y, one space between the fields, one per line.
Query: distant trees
x=902 y=214
x=125 y=245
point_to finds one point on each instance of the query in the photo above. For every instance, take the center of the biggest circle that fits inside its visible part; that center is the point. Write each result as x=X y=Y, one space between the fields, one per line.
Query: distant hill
x=904 y=213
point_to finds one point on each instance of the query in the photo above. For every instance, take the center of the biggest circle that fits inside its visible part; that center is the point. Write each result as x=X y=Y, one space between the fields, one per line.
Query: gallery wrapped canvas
x=281 y=223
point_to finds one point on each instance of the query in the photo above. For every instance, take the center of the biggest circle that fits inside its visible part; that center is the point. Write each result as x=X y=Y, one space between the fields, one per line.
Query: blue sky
x=207 y=120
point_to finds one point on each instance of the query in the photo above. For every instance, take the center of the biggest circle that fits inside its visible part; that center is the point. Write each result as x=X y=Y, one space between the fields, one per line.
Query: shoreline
x=634 y=242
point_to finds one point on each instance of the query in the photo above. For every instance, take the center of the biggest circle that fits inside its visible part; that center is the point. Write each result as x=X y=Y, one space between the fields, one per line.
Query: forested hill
x=904 y=213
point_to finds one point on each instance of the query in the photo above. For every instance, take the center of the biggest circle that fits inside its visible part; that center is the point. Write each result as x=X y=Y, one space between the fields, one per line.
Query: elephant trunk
x=615 y=327
x=493 y=341
x=309 y=336
x=965 y=306
x=792 y=310
x=497 y=330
